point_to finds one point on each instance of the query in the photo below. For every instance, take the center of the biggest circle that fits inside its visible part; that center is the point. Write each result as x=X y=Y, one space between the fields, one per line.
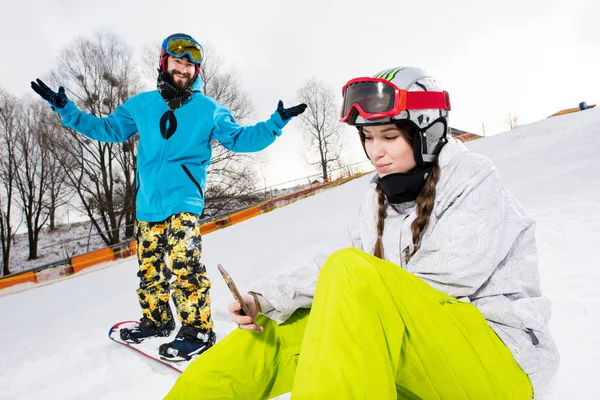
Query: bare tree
x=221 y=84
x=231 y=186
x=32 y=181
x=6 y=233
x=149 y=63
x=320 y=124
x=230 y=178
x=9 y=110
x=262 y=168
x=512 y=120
x=59 y=193
x=99 y=75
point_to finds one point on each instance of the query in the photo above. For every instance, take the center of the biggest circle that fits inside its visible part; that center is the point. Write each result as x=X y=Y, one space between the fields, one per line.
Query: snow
x=66 y=241
x=54 y=337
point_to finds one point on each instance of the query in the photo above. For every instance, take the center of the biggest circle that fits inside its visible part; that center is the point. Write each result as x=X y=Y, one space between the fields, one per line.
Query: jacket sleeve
x=117 y=127
x=245 y=139
x=283 y=294
x=472 y=236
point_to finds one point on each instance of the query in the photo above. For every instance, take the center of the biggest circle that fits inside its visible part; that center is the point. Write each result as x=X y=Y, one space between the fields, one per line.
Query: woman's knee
x=347 y=262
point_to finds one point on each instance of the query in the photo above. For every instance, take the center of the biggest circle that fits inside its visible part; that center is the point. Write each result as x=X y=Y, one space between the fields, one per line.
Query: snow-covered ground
x=54 y=337
x=64 y=242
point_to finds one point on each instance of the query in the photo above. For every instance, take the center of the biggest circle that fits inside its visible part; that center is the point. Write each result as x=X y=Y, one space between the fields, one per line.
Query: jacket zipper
x=400 y=244
x=156 y=187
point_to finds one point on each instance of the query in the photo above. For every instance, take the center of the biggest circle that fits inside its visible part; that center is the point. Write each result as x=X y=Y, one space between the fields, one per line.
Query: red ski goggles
x=376 y=98
x=180 y=46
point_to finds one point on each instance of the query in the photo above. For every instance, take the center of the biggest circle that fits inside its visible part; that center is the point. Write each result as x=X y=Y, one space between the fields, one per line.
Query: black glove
x=56 y=100
x=287 y=113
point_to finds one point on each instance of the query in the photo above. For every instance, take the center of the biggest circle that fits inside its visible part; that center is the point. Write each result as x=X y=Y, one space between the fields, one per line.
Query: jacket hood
x=198 y=85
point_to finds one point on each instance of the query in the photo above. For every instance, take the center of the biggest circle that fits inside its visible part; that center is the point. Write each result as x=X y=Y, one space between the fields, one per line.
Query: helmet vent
x=421 y=86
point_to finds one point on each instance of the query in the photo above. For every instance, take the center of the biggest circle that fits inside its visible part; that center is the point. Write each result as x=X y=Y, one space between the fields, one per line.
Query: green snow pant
x=374 y=331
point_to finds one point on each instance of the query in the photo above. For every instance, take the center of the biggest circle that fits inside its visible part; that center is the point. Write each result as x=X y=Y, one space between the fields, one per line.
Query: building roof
x=463 y=136
x=569 y=111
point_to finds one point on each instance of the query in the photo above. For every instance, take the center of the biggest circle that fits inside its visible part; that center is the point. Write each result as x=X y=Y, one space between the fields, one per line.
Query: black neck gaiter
x=174 y=96
x=403 y=187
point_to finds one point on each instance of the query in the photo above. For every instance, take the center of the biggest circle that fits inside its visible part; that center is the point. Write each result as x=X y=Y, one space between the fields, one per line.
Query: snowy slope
x=54 y=337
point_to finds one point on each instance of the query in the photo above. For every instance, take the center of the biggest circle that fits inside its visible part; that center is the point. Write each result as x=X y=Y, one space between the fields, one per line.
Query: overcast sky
x=527 y=57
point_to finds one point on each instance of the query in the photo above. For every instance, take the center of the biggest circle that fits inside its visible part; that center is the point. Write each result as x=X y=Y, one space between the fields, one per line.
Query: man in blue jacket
x=176 y=124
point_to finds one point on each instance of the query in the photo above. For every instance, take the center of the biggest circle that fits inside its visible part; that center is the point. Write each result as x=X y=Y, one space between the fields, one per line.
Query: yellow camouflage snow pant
x=173 y=247
x=374 y=331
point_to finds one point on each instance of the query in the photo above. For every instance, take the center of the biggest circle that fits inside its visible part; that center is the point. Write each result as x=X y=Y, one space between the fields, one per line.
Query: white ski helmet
x=402 y=94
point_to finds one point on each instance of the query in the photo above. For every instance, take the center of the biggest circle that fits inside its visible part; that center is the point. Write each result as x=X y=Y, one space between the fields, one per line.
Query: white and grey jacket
x=479 y=247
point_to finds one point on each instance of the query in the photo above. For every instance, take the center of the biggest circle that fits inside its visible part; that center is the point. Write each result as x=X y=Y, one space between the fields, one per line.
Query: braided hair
x=424 y=202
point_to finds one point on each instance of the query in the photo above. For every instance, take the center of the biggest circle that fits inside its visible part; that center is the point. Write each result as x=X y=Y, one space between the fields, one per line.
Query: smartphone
x=235 y=292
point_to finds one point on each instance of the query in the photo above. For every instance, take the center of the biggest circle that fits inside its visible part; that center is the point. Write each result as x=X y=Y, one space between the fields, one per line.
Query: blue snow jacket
x=171 y=170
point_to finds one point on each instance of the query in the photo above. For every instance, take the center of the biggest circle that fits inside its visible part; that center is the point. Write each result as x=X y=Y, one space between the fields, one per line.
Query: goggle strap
x=424 y=100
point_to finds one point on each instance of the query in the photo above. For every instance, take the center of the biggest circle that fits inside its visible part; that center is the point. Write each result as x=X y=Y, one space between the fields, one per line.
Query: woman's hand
x=243 y=321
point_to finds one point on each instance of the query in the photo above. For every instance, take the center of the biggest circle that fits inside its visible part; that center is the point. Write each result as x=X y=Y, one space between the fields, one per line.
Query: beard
x=174 y=74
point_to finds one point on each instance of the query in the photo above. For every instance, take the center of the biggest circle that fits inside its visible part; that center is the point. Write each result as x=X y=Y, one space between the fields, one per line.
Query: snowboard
x=148 y=347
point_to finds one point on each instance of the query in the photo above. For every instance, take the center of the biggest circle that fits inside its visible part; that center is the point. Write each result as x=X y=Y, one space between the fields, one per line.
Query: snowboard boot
x=147 y=328
x=188 y=343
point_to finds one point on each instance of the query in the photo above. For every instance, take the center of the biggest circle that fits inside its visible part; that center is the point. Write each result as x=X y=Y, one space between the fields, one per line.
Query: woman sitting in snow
x=438 y=297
